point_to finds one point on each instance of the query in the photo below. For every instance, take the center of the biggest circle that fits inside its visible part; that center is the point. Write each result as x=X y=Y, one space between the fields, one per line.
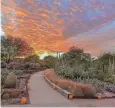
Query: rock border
x=65 y=93
x=28 y=78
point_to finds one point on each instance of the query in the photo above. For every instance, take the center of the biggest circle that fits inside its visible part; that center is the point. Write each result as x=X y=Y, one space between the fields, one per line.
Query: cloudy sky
x=56 y=25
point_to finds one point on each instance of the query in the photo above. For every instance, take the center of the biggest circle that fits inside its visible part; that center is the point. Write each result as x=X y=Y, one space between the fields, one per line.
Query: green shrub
x=50 y=61
x=110 y=79
x=14 y=94
x=32 y=58
x=15 y=65
x=66 y=72
x=3 y=64
x=31 y=66
x=10 y=81
x=2 y=79
x=18 y=72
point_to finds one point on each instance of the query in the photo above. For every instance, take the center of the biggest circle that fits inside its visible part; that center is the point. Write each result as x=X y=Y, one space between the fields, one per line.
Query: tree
x=77 y=56
x=8 y=51
x=75 y=52
x=50 y=61
x=32 y=58
x=11 y=47
x=107 y=60
x=22 y=47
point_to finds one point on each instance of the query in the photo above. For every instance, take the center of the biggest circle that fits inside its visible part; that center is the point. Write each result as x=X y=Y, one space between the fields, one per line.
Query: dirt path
x=42 y=95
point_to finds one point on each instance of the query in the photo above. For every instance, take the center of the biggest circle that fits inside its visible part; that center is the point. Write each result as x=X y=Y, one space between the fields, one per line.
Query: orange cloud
x=48 y=27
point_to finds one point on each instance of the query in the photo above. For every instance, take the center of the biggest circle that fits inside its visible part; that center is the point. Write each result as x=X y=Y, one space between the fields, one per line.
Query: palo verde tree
x=77 y=56
x=50 y=61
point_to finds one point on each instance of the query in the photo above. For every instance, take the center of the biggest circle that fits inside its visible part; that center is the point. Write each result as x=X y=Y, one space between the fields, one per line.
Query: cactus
x=10 y=81
x=5 y=96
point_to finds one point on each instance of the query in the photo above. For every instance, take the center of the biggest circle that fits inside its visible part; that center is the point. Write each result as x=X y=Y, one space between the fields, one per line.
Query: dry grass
x=77 y=89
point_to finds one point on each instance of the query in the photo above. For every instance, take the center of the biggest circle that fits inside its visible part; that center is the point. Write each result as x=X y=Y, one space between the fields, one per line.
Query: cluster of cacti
x=91 y=76
x=98 y=69
x=66 y=72
x=11 y=80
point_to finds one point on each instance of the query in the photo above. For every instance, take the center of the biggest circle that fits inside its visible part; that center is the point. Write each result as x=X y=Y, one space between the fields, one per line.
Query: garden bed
x=14 y=95
x=77 y=90
x=20 y=90
x=60 y=90
x=103 y=86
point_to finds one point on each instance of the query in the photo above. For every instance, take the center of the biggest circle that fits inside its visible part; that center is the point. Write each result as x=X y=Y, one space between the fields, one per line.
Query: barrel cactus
x=10 y=81
x=5 y=96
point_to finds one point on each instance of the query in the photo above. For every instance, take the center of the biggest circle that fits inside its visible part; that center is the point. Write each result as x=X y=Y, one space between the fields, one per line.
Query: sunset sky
x=56 y=25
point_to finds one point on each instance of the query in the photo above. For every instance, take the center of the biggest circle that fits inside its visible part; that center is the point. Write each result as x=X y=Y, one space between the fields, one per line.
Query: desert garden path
x=42 y=95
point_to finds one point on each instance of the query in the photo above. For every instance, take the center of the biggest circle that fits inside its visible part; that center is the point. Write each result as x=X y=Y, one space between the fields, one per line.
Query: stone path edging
x=57 y=88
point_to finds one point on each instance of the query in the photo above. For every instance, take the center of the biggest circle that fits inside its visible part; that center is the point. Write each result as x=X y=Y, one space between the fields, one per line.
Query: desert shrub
x=76 y=63
x=18 y=72
x=32 y=58
x=110 y=79
x=77 y=89
x=31 y=66
x=3 y=64
x=10 y=81
x=66 y=72
x=13 y=93
x=3 y=77
x=15 y=65
x=100 y=85
x=64 y=84
x=49 y=74
x=49 y=61
x=72 y=73
x=4 y=74
x=26 y=66
x=5 y=96
x=88 y=90
x=28 y=71
x=80 y=72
